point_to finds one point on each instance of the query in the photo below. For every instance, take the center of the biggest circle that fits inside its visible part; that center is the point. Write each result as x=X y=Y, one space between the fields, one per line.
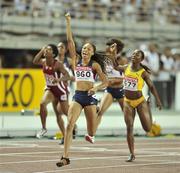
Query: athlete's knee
x=147 y=128
x=100 y=112
x=129 y=127
x=70 y=126
x=43 y=104
x=147 y=124
x=65 y=112
x=59 y=117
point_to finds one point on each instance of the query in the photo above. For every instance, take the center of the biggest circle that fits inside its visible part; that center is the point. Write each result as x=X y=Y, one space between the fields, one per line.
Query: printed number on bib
x=83 y=74
x=49 y=79
x=130 y=84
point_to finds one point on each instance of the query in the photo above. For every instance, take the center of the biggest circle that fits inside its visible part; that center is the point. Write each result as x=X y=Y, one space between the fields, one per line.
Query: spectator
x=152 y=58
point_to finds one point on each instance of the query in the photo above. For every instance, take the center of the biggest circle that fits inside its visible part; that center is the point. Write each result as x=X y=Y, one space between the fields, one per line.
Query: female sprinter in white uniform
x=114 y=91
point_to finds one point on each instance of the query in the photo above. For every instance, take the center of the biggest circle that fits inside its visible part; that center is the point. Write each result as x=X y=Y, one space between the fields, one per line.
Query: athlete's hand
x=159 y=105
x=68 y=16
x=72 y=78
x=55 y=80
x=113 y=47
x=43 y=49
x=92 y=91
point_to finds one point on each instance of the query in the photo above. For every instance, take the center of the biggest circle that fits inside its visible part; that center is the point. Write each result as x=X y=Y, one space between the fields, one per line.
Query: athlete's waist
x=84 y=86
x=117 y=85
x=132 y=95
x=81 y=93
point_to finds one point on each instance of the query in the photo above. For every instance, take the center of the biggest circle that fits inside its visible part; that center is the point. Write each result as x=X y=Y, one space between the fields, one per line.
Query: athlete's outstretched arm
x=121 y=67
x=71 y=44
x=38 y=58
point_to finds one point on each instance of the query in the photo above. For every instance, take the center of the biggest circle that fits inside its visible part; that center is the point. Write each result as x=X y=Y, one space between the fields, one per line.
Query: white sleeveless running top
x=112 y=73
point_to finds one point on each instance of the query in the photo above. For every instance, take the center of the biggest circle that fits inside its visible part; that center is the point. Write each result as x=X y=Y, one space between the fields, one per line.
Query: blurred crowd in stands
x=164 y=66
x=135 y=10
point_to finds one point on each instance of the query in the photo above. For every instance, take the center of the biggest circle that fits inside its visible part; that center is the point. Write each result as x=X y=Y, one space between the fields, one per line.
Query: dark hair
x=54 y=49
x=101 y=60
x=120 y=44
x=142 y=65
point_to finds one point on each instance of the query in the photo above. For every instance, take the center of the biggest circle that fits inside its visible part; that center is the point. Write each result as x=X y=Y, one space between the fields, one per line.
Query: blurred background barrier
x=20 y=89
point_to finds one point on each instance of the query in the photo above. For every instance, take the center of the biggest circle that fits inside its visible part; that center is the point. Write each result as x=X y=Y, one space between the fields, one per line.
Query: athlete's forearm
x=38 y=56
x=121 y=67
x=66 y=77
x=115 y=81
x=155 y=93
x=68 y=31
x=71 y=44
x=101 y=85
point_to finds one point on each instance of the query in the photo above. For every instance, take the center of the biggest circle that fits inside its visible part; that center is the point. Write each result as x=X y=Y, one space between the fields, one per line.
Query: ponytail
x=101 y=60
x=142 y=65
x=145 y=68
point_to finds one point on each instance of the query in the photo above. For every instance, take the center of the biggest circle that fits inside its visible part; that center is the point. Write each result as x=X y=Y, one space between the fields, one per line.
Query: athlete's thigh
x=129 y=113
x=47 y=97
x=64 y=107
x=56 y=107
x=90 y=112
x=143 y=112
x=74 y=111
x=121 y=103
x=106 y=101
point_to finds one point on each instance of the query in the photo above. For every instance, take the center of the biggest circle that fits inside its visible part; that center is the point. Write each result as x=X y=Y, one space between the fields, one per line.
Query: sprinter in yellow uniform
x=134 y=76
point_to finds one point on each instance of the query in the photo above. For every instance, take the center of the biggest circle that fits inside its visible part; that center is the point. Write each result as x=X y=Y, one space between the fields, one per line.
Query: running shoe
x=90 y=139
x=41 y=133
x=74 y=131
x=63 y=162
x=131 y=158
x=61 y=141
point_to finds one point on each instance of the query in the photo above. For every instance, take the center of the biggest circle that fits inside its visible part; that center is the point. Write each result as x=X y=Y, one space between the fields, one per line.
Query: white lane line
x=15 y=145
x=110 y=166
x=92 y=149
x=85 y=158
x=11 y=154
x=110 y=143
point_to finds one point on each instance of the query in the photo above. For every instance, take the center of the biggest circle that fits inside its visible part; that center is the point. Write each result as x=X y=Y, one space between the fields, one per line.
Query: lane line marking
x=110 y=166
x=84 y=158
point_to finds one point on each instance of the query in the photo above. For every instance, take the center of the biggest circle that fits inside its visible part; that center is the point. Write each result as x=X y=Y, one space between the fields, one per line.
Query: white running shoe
x=90 y=139
x=41 y=133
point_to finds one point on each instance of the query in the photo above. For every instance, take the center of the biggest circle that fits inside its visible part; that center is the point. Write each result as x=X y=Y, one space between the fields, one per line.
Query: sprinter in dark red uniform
x=58 y=109
x=56 y=90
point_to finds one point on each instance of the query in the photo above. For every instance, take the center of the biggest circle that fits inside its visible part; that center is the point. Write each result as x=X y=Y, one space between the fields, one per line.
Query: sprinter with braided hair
x=134 y=76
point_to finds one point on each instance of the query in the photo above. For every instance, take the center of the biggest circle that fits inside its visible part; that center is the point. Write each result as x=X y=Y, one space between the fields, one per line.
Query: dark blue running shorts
x=117 y=93
x=84 y=99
